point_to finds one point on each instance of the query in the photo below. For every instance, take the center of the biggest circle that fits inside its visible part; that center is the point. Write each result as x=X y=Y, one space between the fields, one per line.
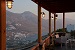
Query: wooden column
x=49 y=27
x=39 y=25
x=54 y=22
x=63 y=22
x=49 y=23
x=2 y=25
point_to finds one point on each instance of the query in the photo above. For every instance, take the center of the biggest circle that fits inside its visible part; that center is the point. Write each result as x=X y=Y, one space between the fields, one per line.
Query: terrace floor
x=61 y=48
x=64 y=48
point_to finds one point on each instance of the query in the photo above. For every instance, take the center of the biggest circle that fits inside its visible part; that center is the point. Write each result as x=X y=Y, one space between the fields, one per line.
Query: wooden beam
x=63 y=22
x=49 y=23
x=2 y=24
x=49 y=26
x=54 y=27
x=54 y=22
x=39 y=25
x=57 y=6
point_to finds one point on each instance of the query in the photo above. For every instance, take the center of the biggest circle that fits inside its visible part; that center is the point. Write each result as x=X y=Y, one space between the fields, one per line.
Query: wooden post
x=39 y=28
x=54 y=22
x=49 y=23
x=2 y=24
x=54 y=27
x=63 y=22
x=39 y=25
x=49 y=26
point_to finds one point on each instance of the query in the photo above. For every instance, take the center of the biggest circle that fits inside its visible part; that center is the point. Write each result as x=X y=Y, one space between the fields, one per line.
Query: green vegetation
x=72 y=33
x=61 y=30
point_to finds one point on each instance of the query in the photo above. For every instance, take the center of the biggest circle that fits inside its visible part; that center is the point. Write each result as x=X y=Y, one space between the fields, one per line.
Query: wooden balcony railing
x=46 y=43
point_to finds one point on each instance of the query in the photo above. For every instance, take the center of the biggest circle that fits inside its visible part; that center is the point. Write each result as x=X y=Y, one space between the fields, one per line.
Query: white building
x=70 y=27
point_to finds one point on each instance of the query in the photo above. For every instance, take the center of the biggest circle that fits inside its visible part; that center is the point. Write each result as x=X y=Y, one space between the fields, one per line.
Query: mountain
x=59 y=23
x=26 y=22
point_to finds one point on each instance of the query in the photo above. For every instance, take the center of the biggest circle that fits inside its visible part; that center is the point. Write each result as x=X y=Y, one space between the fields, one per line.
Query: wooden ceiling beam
x=57 y=6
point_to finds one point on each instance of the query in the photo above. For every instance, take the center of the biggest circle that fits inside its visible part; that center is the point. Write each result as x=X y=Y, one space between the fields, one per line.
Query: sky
x=20 y=6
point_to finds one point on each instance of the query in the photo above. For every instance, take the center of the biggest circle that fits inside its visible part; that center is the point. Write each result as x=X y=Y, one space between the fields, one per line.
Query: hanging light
x=9 y=4
x=56 y=16
x=43 y=14
x=52 y=17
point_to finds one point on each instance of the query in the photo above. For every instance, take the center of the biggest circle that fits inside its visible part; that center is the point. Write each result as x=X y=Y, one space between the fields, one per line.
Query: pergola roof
x=57 y=6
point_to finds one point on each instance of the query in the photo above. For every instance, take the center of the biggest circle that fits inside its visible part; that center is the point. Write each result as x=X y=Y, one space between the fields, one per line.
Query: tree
x=61 y=30
x=72 y=33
